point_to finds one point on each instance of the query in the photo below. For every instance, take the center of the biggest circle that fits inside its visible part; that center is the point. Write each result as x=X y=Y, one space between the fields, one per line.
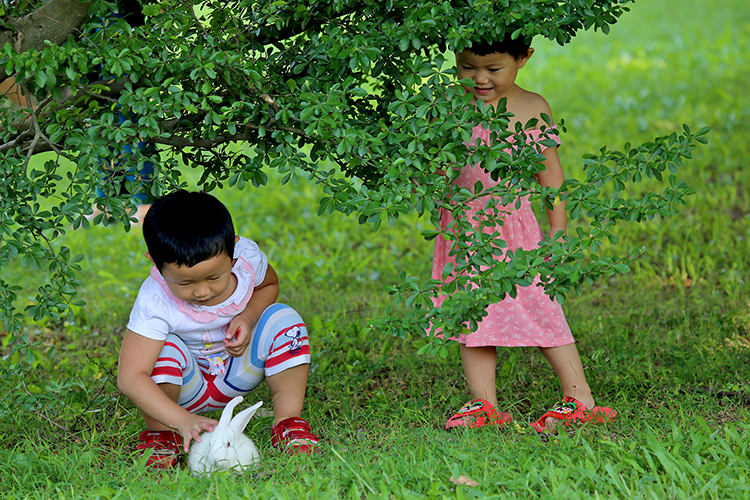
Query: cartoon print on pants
x=294 y=333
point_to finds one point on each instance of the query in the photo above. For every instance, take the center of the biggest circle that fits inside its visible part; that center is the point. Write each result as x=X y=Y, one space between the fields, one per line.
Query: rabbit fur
x=226 y=447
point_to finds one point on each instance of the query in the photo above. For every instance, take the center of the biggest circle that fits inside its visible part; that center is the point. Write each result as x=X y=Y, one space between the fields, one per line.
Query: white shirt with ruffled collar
x=157 y=313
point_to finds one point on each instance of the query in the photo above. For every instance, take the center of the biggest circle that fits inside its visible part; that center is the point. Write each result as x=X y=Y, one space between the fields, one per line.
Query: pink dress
x=531 y=319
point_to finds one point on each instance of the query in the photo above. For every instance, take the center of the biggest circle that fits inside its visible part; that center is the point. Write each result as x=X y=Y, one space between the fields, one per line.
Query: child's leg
x=479 y=367
x=567 y=365
x=286 y=355
x=281 y=343
x=288 y=390
x=280 y=351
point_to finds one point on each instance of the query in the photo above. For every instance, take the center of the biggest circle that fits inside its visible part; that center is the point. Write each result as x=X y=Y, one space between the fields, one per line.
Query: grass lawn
x=668 y=345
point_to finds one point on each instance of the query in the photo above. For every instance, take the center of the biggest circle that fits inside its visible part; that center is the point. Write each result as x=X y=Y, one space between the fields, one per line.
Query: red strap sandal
x=478 y=413
x=165 y=446
x=294 y=435
x=571 y=411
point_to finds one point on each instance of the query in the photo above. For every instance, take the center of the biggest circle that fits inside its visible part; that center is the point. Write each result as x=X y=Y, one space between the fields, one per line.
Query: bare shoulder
x=538 y=104
x=530 y=105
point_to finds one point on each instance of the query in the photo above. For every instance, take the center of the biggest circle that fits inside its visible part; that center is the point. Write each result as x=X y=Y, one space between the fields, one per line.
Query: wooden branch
x=47 y=107
x=30 y=139
x=18 y=142
x=184 y=142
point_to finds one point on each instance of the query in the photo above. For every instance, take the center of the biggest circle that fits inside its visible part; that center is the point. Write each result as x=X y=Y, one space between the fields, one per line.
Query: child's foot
x=584 y=403
x=571 y=411
x=294 y=435
x=478 y=413
x=165 y=448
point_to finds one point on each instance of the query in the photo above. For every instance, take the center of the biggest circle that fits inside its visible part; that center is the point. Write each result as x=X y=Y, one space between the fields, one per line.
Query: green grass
x=668 y=345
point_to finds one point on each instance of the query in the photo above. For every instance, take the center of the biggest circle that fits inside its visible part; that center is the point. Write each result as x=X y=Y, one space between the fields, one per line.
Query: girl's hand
x=191 y=427
x=237 y=337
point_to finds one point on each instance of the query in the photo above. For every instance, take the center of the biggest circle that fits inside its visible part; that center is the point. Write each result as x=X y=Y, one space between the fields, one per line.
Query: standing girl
x=530 y=319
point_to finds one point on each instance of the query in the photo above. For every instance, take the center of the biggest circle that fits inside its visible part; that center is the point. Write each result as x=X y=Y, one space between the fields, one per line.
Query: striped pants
x=278 y=342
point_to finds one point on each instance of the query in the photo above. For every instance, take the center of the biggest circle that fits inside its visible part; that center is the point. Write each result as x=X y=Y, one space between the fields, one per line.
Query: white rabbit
x=226 y=448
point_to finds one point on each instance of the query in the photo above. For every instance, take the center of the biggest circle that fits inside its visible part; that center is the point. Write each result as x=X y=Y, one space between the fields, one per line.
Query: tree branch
x=49 y=106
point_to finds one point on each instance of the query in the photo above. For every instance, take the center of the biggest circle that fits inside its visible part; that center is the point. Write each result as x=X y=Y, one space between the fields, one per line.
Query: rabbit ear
x=240 y=421
x=226 y=414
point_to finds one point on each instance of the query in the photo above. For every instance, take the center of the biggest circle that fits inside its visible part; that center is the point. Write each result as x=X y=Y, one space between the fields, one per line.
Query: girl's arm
x=242 y=325
x=553 y=176
x=530 y=105
x=138 y=357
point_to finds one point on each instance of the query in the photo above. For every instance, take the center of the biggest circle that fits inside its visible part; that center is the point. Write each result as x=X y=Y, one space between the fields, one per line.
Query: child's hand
x=237 y=337
x=192 y=426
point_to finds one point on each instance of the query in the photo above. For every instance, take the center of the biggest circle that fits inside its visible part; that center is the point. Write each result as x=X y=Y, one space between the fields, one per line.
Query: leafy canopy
x=356 y=95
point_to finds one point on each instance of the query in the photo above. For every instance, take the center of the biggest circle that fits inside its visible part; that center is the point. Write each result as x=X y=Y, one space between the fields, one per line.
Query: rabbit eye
x=229 y=445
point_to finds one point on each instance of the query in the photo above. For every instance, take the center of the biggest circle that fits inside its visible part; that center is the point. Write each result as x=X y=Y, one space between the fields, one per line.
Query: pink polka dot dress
x=531 y=319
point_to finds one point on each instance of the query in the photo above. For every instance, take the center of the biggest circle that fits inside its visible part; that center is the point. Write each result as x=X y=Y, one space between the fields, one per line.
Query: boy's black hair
x=185 y=228
x=516 y=48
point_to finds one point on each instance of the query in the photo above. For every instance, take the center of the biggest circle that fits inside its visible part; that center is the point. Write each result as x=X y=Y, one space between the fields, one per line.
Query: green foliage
x=360 y=98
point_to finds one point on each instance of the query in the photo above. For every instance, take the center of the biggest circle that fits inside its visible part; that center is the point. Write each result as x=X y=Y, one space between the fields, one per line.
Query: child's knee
x=286 y=343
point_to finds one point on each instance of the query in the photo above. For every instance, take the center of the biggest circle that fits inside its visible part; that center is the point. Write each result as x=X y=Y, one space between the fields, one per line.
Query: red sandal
x=482 y=413
x=294 y=435
x=571 y=411
x=165 y=448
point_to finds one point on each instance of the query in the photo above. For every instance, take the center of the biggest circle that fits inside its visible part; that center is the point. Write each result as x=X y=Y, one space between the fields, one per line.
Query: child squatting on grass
x=531 y=319
x=205 y=328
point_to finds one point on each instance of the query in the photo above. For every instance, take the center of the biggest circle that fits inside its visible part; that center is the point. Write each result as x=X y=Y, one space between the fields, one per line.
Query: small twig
x=38 y=133
x=31 y=147
x=17 y=142
x=75 y=438
x=197 y=21
x=85 y=90
x=45 y=417
x=719 y=394
x=110 y=372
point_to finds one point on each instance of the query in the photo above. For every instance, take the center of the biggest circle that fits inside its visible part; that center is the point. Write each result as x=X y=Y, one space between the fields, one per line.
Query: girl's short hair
x=185 y=228
x=516 y=48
